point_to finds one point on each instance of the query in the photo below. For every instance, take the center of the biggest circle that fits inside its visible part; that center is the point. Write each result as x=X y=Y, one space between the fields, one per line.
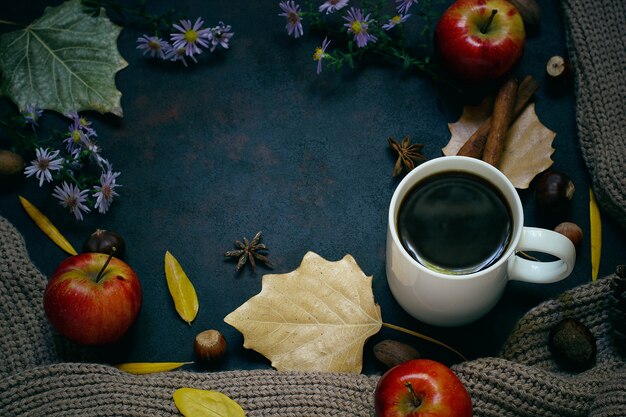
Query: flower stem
x=423 y=336
x=485 y=27
x=7 y=22
x=106 y=263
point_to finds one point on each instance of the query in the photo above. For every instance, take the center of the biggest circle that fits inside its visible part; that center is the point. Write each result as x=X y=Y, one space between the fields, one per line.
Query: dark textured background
x=251 y=139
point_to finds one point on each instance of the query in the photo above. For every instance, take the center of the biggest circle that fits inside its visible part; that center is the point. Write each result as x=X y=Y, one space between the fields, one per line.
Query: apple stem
x=416 y=400
x=106 y=263
x=485 y=27
x=423 y=336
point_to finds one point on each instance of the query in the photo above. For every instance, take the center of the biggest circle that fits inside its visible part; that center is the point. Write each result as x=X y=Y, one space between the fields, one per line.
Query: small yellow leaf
x=46 y=226
x=193 y=402
x=140 y=368
x=315 y=318
x=182 y=290
x=595 y=226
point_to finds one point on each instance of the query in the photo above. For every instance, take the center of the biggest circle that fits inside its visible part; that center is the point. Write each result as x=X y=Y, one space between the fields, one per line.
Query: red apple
x=91 y=307
x=480 y=40
x=421 y=388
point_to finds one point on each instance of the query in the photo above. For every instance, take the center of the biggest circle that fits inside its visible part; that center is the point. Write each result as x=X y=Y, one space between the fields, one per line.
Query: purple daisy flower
x=331 y=6
x=105 y=192
x=178 y=54
x=320 y=54
x=153 y=45
x=220 y=35
x=404 y=5
x=395 y=21
x=359 y=25
x=73 y=198
x=190 y=37
x=44 y=163
x=31 y=115
x=291 y=12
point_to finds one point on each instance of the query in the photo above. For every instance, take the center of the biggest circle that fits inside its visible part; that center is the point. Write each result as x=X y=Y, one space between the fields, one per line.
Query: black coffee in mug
x=454 y=223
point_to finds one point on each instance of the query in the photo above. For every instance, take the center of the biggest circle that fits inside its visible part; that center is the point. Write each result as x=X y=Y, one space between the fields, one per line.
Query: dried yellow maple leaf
x=527 y=148
x=315 y=318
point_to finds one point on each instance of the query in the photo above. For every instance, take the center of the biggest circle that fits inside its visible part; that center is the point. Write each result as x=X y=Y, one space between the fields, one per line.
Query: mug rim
x=517 y=211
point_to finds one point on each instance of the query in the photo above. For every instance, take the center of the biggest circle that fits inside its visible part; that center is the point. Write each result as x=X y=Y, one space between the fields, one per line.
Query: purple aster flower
x=31 y=115
x=404 y=5
x=331 y=6
x=395 y=21
x=106 y=190
x=291 y=12
x=220 y=35
x=175 y=54
x=81 y=122
x=73 y=198
x=190 y=37
x=46 y=161
x=153 y=45
x=359 y=25
x=320 y=54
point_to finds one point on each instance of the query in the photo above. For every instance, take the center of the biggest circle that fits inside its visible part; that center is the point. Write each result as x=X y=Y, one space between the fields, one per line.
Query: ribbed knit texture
x=40 y=375
x=36 y=378
x=596 y=38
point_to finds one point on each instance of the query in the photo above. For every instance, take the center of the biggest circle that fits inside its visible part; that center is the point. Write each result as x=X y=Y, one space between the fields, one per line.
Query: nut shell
x=572 y=344
x=554 y=191
x=103 y=241
x=210 y=346
x=571 y=231
x=392 y=353
x=10 y=163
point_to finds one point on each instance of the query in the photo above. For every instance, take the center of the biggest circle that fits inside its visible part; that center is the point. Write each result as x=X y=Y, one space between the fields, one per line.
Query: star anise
x=248 y=251
x=408 y=154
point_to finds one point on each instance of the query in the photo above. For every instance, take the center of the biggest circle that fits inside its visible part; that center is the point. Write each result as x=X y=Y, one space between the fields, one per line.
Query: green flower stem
x=7 y=22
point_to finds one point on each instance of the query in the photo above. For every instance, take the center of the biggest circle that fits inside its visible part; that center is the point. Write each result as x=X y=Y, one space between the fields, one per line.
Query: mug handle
x=546 y=241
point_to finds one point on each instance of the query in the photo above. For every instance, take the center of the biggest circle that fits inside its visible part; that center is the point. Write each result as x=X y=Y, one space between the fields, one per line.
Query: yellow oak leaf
x=315 y=318
x=527 y=148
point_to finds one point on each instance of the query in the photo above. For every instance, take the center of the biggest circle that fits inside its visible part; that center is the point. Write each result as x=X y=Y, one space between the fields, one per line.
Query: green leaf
x=64 y=61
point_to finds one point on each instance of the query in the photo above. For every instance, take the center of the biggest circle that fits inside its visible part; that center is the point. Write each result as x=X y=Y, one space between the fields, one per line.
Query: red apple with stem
x=92 y=298
x=421 y=388
x=480 y=40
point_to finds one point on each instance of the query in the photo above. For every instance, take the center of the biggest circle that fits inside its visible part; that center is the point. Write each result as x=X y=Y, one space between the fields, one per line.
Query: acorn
x=103 y=241
x=572 y=344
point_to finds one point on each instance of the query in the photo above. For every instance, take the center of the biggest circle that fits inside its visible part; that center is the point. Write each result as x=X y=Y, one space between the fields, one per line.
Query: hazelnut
x=103 y=241
x=210 y=346
x=571 y=231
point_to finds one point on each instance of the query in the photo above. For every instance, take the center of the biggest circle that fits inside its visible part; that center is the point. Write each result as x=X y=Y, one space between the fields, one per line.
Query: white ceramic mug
x=450 y=300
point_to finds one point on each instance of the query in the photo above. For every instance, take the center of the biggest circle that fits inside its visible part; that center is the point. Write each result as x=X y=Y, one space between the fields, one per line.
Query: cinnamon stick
x=503 y=108
x=475 y=145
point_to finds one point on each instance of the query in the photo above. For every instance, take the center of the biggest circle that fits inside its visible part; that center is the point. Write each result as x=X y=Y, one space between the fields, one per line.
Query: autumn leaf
x=595 y=229
x=181 y=289
x=192 y=402
x=46 y=226
x=141 y=368
x=315 y=318
x=64 y=61
x=528 y=144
